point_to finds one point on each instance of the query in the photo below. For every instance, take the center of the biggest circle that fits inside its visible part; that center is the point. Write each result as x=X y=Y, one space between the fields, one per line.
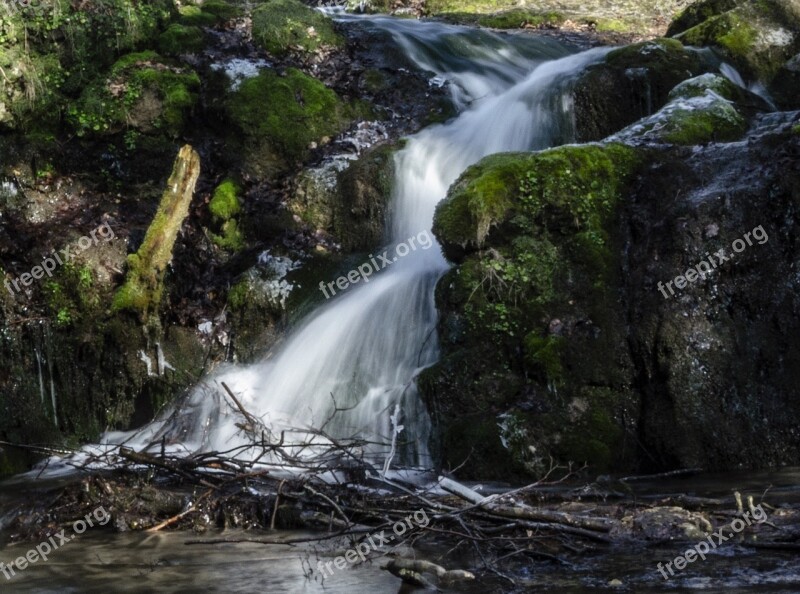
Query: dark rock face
x=575 y=352
x=717 y=362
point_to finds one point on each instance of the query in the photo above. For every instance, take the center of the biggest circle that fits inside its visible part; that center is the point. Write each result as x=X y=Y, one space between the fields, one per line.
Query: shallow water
x=103 y=561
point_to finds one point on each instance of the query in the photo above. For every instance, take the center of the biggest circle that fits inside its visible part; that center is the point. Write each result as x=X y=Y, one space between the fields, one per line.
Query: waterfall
x=350 y=363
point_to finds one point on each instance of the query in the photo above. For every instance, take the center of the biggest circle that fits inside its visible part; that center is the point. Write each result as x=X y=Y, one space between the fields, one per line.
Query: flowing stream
x=363 y=350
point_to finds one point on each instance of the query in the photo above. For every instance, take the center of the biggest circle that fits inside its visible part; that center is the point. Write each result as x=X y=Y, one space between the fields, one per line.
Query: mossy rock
x=577 y=181
x=531 y=304
x=142 y=92
x=283 y=26
x=519 y=17
x=758 y=37
x=222 y=10
x=696 y=120
x=279 y=117
x=194 y=16
x=632 y=82
x=181 y=39
x=697 y=13
x=700 y=85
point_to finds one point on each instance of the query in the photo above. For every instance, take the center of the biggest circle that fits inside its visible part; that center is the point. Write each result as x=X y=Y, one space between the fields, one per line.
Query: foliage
x=142 y=92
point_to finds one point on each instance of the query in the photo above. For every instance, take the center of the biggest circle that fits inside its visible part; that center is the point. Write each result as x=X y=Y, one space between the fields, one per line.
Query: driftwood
x=304 y=478
x=411 y=570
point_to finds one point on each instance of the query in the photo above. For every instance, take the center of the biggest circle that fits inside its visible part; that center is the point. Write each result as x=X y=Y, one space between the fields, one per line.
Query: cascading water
x=366 y=346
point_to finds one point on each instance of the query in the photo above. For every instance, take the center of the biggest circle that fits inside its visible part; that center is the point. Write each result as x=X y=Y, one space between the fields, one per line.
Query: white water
x=368 y=344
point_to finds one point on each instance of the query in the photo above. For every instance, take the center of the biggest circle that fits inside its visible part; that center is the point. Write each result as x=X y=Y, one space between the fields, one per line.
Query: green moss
x=225 y=201
x=544 y=353
x=288 y=113
x=195 y=16
x=796 y=129
x=221 y=9
x=71 y=294
x=700 y=85
x=519 y=17
x=719 y=122
x=743 y=34
x=239 y=295
x=595 y=436
x=697 y=13
x=142 y=92
x=231 y=237
x=690 y=121
x=281 y=26
x=480 y=199
x=181 y=39
x=575 y=185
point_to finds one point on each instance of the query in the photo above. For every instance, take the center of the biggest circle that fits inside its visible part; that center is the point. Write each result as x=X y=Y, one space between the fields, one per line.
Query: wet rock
x=631 y=83
x=533 y=236
x=285 y=26
x=758 y=37
x=786 y=83
x=692 y=120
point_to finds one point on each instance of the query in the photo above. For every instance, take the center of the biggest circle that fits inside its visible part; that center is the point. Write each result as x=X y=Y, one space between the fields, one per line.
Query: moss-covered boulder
x=142 y=92
x=280 y=117
x=285 y=26
x=757 y=36
x=696 y=119
x=225 y=206
x=531 y=311
x=632 y=82
x=181 y=39
x=347 y=199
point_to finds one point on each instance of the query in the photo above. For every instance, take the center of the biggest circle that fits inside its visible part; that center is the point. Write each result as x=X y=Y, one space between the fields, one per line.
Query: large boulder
x=584 y=319
x=279 y=118
x=757 y=37
x=631 y=82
